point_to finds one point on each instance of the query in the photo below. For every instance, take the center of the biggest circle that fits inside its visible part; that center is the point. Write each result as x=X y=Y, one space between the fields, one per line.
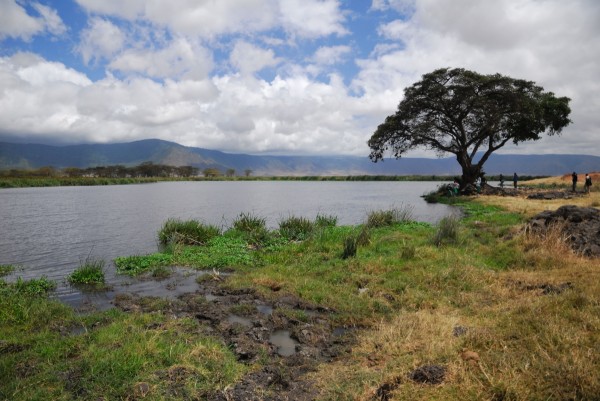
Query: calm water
x=50 y=231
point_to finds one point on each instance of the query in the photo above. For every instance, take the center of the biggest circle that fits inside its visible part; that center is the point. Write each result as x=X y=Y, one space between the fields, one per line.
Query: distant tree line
x=144 y=170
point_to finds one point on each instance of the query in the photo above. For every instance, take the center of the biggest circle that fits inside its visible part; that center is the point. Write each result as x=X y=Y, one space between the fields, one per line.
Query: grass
x=409 y=295
x=88 y=273
x=186 y=232
x=6 y=269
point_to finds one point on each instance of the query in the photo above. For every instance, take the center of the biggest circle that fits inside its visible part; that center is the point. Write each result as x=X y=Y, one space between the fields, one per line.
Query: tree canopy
x=469 y=115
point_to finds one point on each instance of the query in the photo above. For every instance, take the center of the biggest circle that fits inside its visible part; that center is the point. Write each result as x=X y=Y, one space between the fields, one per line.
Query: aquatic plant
x=89 y=272
x=382 y=218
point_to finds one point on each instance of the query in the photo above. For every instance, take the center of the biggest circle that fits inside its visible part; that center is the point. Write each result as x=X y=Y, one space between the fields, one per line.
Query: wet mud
x=286 y=337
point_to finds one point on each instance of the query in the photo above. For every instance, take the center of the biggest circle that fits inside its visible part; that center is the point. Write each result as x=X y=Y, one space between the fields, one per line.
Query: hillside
x=25 y=156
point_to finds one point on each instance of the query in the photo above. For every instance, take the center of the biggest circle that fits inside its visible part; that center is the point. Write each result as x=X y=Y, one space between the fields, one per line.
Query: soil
x=251 y=326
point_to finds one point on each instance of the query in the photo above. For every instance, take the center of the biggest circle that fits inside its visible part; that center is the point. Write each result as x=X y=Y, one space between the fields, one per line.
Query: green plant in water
x=296 y=228
x=253 y=228
x=37 y=287
x=136 y=264
x=447 y=231
x=189 y=232
x=6 y=269
x=90 y=272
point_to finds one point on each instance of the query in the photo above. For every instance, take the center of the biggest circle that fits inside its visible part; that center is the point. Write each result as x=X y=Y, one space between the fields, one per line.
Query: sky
x=280 y=77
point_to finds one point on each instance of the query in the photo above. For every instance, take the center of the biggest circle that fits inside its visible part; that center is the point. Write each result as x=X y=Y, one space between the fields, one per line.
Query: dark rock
x=429 y=374
x=581 y=226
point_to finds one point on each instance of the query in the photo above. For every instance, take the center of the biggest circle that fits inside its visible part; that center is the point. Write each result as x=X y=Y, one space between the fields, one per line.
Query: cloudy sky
x=295 y=77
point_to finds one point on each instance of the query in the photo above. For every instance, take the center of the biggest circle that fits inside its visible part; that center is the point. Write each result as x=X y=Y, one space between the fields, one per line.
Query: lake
x=50 y=231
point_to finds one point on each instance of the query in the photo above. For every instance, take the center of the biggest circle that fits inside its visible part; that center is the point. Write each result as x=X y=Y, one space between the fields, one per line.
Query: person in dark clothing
x=501 y=181
x=515 y=179
x=574 y=178
x=588 y=183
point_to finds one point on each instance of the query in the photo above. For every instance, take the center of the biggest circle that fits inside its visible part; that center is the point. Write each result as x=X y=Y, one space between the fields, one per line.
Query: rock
x=581 y=226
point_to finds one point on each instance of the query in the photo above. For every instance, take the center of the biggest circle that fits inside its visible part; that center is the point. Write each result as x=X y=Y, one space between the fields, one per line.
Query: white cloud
x=312 y=18
x=15 y=22
x=179 y=59
x=329 y=55
x=100 y=40
x=248 y=58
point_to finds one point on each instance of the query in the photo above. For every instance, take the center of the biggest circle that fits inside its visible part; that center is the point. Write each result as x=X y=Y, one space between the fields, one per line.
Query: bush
x=90 y=272
x=447 y=231
x=296 y=228
x=382 y=218
x=6 y=269
x=189 y=232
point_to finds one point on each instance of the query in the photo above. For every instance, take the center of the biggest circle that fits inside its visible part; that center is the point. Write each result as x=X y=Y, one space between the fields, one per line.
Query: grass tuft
x=383 y=218
x=296 y=228
x=447 y=231
x=90 y=272
x=188 y=232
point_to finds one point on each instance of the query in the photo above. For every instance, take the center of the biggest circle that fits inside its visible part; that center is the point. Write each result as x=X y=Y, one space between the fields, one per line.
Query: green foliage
x=36 y=287
x=188 y=232
x=382 y=218
x=456 y=110
x=137 y=264
x=350 y=247
x=222 y=251
x=6 y=269
x=253 y=228
x=296 y=228
x=90 y=272
x=322 y=221
x=447 y=231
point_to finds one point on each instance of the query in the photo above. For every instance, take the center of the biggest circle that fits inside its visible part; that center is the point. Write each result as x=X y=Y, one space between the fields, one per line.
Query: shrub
x=295 y=228
x=447 y=231
x=90 y=272
x=136 y=264
x=382 y=218
x=189 y=232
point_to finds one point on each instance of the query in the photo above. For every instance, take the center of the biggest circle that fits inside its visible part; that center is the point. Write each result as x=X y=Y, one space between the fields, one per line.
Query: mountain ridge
x=29 y=156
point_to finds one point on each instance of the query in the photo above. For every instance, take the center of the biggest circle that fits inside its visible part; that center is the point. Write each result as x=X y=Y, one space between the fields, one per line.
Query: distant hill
x=28 y=156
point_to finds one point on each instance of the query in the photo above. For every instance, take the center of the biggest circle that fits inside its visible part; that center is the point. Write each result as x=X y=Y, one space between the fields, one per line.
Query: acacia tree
x=469 y=115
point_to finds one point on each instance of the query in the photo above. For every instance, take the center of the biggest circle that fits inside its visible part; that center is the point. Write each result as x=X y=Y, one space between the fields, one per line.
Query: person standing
x=574 y=179
x=501 y=181
x=515 y=179
x=588 y=183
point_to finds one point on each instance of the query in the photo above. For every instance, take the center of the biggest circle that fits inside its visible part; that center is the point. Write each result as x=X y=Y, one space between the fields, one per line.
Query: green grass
x=187 y=232
x=6 y=269
x=89 y=272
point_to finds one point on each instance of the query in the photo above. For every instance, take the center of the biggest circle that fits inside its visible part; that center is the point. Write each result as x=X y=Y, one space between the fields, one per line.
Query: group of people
x=515 y=180
x=586 y=185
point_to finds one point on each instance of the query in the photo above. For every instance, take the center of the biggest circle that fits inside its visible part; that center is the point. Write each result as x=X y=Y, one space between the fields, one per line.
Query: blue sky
x=276 y=76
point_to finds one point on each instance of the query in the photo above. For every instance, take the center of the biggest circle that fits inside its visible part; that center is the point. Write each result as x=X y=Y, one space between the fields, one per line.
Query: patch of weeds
x=222 y=251
x=323 y=221
x=364 y=236
x=247 y=222
x=6 y=269
x=242 y=309
x=408 y=252
x=447 y=231
x=89 y=272
x=38 y=287
x=383 y=218
x=161 y=272
x=350 y=247
x=137 y=264
x=296 y=228
x=188 y=232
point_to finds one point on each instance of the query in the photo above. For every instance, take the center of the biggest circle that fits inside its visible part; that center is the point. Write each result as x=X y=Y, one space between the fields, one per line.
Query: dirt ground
x=289 y=337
